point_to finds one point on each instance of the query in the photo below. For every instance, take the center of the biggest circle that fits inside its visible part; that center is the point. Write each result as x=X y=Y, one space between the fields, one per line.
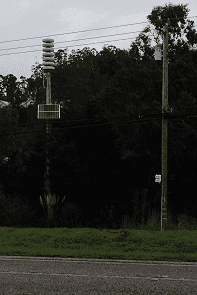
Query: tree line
x=105 y=150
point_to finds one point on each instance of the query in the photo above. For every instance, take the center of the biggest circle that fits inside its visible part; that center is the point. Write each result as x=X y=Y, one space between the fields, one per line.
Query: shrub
x=69 y=215
x=126 y=222
x=16 y=211
x=153 y=222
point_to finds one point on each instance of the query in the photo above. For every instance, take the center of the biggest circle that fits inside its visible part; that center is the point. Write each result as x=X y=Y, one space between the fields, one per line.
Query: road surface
x=45 y=275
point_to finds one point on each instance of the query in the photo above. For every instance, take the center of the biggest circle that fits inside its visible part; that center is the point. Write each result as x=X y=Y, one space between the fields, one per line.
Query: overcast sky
x=38 y=18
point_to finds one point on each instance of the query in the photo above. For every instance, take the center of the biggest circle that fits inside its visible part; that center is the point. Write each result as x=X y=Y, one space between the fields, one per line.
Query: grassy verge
x=134 y=244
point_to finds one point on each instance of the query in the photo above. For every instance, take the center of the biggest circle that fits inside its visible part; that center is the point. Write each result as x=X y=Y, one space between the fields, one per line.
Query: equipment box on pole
x=49 y=111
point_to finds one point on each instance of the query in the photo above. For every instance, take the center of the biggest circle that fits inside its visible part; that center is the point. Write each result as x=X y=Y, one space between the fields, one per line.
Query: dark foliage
x=102 y=157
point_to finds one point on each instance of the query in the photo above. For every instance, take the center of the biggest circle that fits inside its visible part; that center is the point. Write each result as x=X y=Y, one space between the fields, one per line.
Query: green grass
x=135 y=244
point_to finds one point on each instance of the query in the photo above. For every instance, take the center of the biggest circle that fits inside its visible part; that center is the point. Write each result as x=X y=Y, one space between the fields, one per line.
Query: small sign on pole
x=158 y=178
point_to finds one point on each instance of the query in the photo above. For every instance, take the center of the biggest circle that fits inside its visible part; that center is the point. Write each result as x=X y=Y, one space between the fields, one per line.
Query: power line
x=76 y=32
x=113 y=123
x=70 y=46
x=28 y=124
x=83 y=126
x=142 y=116
x=81 y=120
x=73 y=40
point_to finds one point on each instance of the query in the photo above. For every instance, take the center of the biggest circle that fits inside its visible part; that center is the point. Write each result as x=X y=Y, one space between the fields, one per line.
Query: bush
x=3 y=215
x=126 y=222
x=183 y=222
x=153 y=222
x=69 y=215
x=15 y=211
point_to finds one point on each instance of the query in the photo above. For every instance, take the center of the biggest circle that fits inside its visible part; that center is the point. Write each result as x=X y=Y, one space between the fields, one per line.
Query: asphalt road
x=44 y=275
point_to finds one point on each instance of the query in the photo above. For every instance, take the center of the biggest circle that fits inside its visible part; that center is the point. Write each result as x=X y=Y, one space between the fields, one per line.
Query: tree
x=179 y=25
x=100 y=147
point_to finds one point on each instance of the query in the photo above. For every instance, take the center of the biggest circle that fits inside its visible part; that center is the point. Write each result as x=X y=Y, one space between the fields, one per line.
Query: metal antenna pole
x=48 y=89
x=48 y=101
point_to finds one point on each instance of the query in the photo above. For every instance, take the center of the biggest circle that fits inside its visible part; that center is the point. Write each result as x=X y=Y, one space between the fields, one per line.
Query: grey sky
x=33 y=18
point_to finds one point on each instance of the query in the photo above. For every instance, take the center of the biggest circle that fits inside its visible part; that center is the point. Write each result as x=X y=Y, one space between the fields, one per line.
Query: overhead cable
x=77 y=32
x=72 y=40
x=71 y=46
x=95 y=125
x=68 y=121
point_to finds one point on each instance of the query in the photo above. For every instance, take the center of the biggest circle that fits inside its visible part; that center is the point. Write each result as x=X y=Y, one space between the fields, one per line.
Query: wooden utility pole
x=164 y=147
